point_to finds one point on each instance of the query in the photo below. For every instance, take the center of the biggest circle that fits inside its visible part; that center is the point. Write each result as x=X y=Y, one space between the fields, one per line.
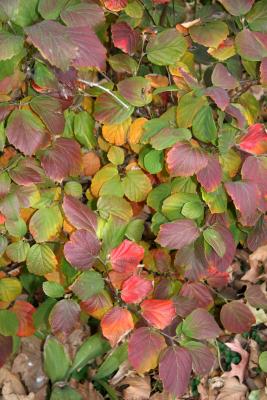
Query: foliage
x=133 y=165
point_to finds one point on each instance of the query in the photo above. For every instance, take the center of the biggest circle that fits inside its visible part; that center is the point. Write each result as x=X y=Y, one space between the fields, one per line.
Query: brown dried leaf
x=237 y=369
x=232 y=390
x=139 y=388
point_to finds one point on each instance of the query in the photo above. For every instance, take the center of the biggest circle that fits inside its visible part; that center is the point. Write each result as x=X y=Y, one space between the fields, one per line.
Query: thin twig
x=112 y=94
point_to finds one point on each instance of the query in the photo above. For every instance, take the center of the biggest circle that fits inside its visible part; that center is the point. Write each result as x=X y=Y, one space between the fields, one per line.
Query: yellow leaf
x=136 y=131
x=103 y=175
x=116 y=133
x=10 y=289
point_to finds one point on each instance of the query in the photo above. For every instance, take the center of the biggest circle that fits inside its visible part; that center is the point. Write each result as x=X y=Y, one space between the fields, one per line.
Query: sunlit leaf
x=97 y=305
x=126 y=256
x=255 y=140
x=210 y=34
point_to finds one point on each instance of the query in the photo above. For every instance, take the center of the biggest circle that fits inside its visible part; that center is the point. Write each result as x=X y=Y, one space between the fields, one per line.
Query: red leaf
x=186 y=160
x=210 y=177
x=64 y=316
x=115 y=5
x=126 y=256
x=184 y=305
x=236 y=317
x=78 y=214
x=79 y=47
x=158 y=313
x=49 y=110
x=255 y=140
x=91 y=52
x=221 y=77
x=97 y=305
x=199 y=292
x=84 y=14
x=62 y=159
x=135 y=289
x=216 y=278
x=24 y=312
x=27 y=172
x=116 y=323
x=144 y=349
x=49 y=37
x=200 y=325
x=254 y=169
x=82 y=249
x=202 y=358
x=124 y=37
x=219 y=96
x=6 y=346
x=245 y=195
x=26 y=132
x=177 y=234
x=175 y=370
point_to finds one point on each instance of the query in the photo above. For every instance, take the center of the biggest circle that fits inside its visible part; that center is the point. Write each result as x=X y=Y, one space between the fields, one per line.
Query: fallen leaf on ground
x=237 y=369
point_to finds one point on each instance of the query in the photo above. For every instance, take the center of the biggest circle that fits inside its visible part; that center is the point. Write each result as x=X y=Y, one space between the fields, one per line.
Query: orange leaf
x=116 y=324
x=158 y=313
x=136 y=130
x=24 y=311
x=116 y=133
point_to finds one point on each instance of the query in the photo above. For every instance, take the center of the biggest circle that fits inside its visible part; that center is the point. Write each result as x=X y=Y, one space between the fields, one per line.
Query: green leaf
x=84 y=129
x=10 y=45
x=2 y=136
x=53 y=289
x=157 y=195
x=51 y=9
x=188 y=107
x=136 y=90
x=56 y=360
x=167 y=137
x=203 y=126
x=263 y=361
x=193 y=210
x=215 y=240
x=18 y=251
x=10 y=289
x=135 y=230
x=257 y=16
x=88 y=284
x=65 y=393
x=3 y=244
x=94 y=346
x=136 y=185
x=16 y=227
x=166 y=47
x=209 y=34
x=112 y=362
x=40 y=317
x=216 y=201
x=123 y=63
x=45 y=224
x=41 y=260
x=8 y=323
x=115 y=206
x=153 y=161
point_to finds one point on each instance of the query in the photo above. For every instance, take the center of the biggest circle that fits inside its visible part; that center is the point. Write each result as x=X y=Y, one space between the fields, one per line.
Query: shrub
x=132 y=137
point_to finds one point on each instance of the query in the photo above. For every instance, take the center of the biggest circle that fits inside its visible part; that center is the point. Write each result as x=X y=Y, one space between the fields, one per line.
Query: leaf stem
x=112 y=94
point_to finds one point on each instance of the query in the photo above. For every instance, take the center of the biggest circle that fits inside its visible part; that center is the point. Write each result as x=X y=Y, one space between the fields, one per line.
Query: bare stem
x=112 y=94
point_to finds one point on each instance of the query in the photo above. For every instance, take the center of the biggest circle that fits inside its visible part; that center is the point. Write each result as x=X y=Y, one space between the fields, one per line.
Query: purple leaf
x=236 y=113
x=27 y=172
x=236 y=317
x=124 y=37
x=237 y=7
x=221 y=77
x=175 y=370
x=245 y=195
x=62 y=159
x=184 y=159
x=178 y=234
x=219 y=96
x=200 y=325
x=78 y=214
x=64 y=316
x=84 y=14
x=6 y=345
x=210 y=177
x=202 y=358
x=222 y=263
x=49 y=110
x=82 y=249
x=26 y=132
